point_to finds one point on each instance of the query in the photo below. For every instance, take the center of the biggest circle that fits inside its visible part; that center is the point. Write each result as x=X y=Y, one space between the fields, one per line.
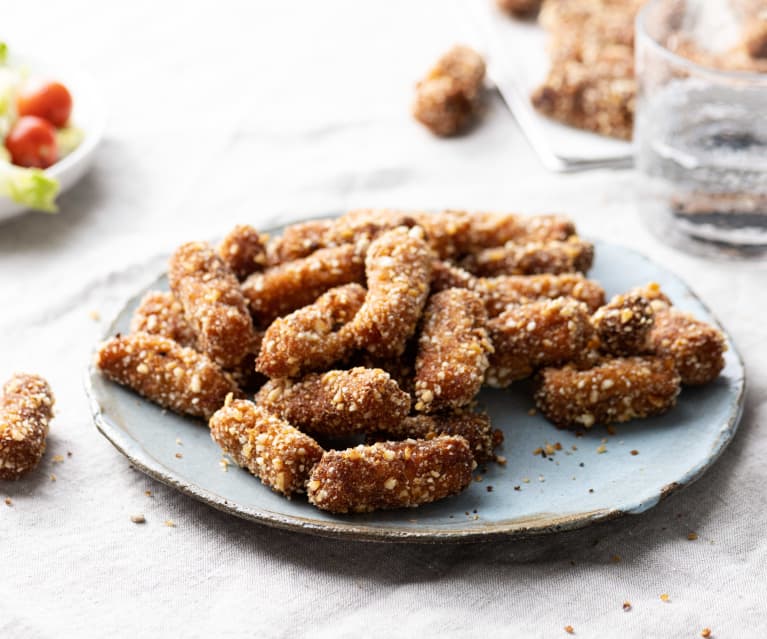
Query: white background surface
x=224 y=112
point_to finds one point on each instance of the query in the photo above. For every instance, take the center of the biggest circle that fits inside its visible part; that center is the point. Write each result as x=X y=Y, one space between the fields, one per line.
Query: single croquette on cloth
x=26 y=408
x=452 y=350
x=391 y=474
x=280 y=455
x=171 y=375
x=337 y=403
x=213 y=303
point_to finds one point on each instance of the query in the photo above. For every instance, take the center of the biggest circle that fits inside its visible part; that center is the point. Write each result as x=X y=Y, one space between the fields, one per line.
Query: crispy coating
x=504 y=290
x=448 y=97
x=755 y=38
x=337 y=403
x=452 y=351
x=160 y=313
x=243 y=250
x=269 y=447
x=398 y=270
x=446 y=275
x=446 y=231
x=553 y=256
x=309 y=339
x=474 y=427
x=213 y=303
x=366 y=224
x=173 y=376
x=391 y=475
x=26 y=408
x=488 y=230
x=297 y=241
x=697 y=348
x=616 y=390
x=623 y=326
x=519 y=8
x=534 y=335
x=282 y=289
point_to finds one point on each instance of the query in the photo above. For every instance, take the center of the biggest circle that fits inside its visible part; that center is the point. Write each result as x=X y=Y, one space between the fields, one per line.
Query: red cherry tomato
x=49 y=100
x=32 y=142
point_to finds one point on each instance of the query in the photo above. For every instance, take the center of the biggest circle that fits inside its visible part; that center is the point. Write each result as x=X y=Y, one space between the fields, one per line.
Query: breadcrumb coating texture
x=243 y=250
x=160 y=313
x=213 y=303
x=623 y=326
x=452 y=351
x=280 y=455
x=309 y=339
x=283 y=289
x=447 y=98
x=26 y=408
x=297 y=241
x=337 y=403
x=398 y=270
x=173 y=376
x=616 y=390
x=535 y=335
x=390 y=475
x=552 y=256
x=474 y=427
x=488 y=230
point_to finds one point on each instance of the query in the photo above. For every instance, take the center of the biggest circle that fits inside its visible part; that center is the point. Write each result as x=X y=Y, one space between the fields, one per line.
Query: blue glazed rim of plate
x=347 y=528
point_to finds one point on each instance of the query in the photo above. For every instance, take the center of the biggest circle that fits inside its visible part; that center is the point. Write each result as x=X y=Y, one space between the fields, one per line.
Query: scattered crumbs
x=635 y=452
x=148 y=493
x=591 y=490
x=705 y=633
x=179 y=456
x=626 y=606
x=525 y=480
x=474 y=511
x=615 y=558
x=602 y=449
x=582 y=465
x=224 y=464
x=550 y=449
x=57 y=459
x=466 y=513
x=579 y=433
x=541 y=478
x=692 y=536
x=170 y=523
x=478 y=478
x=573 y=478
x=69 y=453
x=532 y=412
x=665 y=598
x=179 y=442
x=94 y=315
x=475 y=517
x=517 y=488
x=569 y=630
x=538 y=451
x=557 y=446
x=489 y=489
x=138 y=519
x=611 y=430
x=501 y=460
x=53 y=477
x=574 y=447
x=604 y=440
x=8 y=501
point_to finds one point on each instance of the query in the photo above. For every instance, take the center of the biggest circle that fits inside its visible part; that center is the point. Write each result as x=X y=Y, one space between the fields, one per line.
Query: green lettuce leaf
x=30 y=187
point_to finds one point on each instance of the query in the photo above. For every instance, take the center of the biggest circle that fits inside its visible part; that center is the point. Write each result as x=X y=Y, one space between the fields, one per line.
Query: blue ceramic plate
x=576 y=486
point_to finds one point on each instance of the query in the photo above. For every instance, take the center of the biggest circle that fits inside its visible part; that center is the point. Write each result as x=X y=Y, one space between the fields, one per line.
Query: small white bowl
x=88 y=114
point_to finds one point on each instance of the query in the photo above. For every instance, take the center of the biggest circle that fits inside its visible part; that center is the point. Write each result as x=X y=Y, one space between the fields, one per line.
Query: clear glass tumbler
x=701 y=124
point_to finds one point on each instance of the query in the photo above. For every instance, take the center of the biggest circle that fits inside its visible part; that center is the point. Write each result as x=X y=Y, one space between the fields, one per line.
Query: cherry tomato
x=49 y=100
x=32 y=142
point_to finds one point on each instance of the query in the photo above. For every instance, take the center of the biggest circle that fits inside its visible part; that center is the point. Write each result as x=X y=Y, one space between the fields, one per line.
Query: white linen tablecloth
x=227 y=112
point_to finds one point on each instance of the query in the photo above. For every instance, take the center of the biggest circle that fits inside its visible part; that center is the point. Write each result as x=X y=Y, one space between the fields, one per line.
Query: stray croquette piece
x=696 y=347
x=398 y=271
x=623 y=326
x=452 y=351
x=519 y=8
x=213 y=303
x=474 y=427
x=160 y=313
x=309 y=339
x=26 y=408
x=617 y=390
x=337 y=403
x=447 y=98
x=243 y=250
x=283 y=289
x=270 y=448
x=534 y=335
x=552 y=256
x=166 y=373
x=391 y=475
